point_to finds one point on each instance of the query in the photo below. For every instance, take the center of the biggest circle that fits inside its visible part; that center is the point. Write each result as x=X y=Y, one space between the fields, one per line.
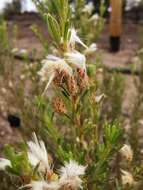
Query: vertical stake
x=115 y=24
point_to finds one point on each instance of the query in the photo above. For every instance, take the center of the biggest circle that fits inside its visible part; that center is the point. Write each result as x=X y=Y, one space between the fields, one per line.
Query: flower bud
x=127 y=178
x=91 y=49
x=126 y=152
x=88 y=8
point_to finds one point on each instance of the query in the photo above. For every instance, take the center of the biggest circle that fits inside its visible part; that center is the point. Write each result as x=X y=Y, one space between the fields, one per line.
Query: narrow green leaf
x=53 y=28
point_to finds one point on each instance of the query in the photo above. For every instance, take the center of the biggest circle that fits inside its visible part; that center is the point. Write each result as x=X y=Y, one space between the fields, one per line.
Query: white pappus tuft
x=70 y=175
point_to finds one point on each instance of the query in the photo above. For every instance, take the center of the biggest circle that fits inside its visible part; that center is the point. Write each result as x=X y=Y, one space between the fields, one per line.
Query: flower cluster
x=68 y=177
x=59 y=69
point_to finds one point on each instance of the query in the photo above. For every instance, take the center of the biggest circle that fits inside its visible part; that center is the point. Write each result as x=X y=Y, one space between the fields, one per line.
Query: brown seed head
x=67 y=187
x=60 y=78
x=71 y=85
x=59 y=106
x=83 y=80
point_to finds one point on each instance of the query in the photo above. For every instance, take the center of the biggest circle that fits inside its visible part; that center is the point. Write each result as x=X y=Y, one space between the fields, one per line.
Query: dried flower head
x=126 y=152
x=60 y=78
x=51 y=65
x=70 y=175
x=83 y=80
x=58 y=105
x=127 y=178
x=72 y=85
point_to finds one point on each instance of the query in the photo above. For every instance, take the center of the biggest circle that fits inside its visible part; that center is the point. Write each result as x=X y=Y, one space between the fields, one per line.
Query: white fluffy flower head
x=91 y=49
x=76 y=59
x=94 y=18
x=88 y=8
x=42 y=185
x=50 y=65
x=4 y=163
x=70 y=175
x=127 y=178
x=75 y=39
x=37 y=154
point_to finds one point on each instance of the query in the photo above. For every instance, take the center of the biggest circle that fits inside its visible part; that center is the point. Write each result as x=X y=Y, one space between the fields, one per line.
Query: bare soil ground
x=27 y=40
